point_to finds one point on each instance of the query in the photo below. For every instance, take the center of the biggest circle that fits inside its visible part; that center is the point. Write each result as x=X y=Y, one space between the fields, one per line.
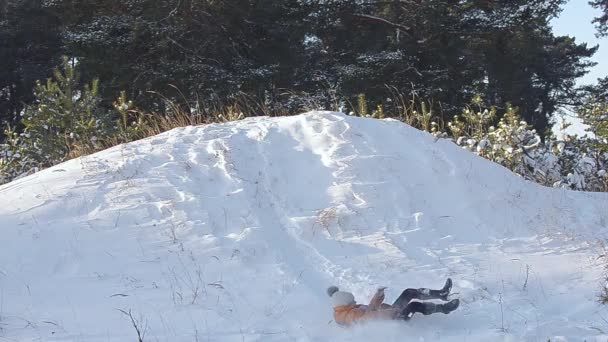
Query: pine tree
x=594 y=113
x=64 y=120
x=449 y=51
x=30 y=46
x=213 y=52
x=601 y=21
x=209 y=51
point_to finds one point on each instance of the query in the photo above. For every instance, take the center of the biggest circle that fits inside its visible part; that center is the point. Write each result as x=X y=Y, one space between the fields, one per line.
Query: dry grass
x=410 y=109
x=145 y=124
x=325 y=217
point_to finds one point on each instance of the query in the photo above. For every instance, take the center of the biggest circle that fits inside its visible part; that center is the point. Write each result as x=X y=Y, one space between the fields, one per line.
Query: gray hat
x=340 y=298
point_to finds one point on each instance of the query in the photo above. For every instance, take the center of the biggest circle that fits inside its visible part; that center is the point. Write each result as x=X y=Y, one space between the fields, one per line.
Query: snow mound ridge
x=234 y=231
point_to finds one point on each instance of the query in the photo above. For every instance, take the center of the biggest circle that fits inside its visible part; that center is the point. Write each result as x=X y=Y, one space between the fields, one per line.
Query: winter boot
x=437 y=294
x=444 y=292
x=449 y=306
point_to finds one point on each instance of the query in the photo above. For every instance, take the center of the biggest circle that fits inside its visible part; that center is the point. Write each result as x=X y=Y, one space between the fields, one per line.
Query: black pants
x=408 y=308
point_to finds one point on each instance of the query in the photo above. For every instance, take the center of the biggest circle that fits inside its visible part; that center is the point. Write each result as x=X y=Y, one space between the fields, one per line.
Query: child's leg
x=429 y=308
x=423 y=294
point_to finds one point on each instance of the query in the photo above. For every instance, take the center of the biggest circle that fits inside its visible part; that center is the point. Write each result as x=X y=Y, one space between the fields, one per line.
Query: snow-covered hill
x=232 y=232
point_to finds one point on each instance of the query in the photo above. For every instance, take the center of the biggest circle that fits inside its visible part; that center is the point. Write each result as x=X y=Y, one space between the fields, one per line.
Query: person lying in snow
x=347 y=311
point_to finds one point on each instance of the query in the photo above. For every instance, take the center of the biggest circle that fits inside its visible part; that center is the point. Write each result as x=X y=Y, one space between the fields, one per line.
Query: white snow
x=233 y=232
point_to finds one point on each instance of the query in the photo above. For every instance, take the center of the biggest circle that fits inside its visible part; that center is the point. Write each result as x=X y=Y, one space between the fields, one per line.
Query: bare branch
x=140 y=335
x=382 y=20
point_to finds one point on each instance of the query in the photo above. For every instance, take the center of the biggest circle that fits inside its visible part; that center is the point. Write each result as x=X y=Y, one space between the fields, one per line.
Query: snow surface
x=233 y=232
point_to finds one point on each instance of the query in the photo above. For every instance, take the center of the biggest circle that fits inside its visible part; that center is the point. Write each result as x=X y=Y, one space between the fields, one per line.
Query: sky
x=575 y=21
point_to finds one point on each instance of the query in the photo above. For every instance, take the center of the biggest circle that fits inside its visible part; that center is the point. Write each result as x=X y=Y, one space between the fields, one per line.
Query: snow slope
x=232 y=232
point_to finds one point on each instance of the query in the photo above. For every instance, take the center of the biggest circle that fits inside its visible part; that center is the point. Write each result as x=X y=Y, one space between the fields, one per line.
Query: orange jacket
x=376 y=310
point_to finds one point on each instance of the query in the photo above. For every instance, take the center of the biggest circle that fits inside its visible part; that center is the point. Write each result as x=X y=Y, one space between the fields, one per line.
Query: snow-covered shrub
x=574 y=163
x=595 y=115
x=64 y=121
x=362 y=109
x=511 y=143
x=588 y=162
x=130 y=124
x=583 y=166
x=15 y=160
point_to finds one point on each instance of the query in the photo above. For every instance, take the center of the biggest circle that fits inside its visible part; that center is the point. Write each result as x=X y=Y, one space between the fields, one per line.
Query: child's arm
x=377 y=300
